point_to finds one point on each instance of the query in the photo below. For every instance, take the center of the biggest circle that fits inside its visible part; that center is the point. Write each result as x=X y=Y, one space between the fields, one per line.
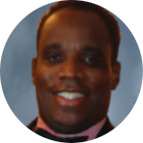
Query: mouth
x=70 y=95
x=70 y=98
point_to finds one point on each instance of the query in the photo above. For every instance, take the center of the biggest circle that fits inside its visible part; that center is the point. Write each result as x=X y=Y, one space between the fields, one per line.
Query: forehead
x=74 y=27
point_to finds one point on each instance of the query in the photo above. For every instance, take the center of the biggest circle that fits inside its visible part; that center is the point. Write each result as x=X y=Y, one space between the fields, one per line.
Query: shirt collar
x=91 y=132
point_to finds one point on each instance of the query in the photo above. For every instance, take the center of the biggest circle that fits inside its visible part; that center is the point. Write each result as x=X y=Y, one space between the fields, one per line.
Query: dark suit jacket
x=107 y=127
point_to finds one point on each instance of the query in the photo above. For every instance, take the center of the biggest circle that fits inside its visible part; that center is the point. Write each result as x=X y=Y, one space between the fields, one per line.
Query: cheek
x=102 y=89
x=44 y=82
x=99 y=80
x=45 y=77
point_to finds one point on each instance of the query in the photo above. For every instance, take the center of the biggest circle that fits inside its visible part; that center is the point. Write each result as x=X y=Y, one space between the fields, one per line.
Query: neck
x=62 y=129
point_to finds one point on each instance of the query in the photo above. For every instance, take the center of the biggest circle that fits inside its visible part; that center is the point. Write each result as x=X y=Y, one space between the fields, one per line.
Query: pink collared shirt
x=91 y=132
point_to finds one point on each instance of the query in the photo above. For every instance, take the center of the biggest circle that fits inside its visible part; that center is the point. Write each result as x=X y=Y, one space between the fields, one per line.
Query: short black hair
x=109 y=19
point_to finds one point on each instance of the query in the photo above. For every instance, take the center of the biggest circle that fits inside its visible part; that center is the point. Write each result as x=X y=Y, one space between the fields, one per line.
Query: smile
x=70 y=99
x=70 y=95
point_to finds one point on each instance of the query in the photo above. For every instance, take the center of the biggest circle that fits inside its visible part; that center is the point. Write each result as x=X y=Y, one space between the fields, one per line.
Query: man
x=75 y=70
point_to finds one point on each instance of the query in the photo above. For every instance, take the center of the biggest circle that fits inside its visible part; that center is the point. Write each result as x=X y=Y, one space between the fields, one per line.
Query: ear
x=116 y=68
x=34 y=65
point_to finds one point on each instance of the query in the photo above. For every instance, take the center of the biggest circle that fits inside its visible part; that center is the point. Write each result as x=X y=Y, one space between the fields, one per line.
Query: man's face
x=72 y=74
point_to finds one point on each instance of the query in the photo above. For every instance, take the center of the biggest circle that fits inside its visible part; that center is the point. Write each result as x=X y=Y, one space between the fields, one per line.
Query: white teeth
x=70 y=95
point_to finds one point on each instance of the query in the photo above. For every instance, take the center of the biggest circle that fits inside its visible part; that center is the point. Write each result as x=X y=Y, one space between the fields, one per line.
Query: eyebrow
x=86 y=48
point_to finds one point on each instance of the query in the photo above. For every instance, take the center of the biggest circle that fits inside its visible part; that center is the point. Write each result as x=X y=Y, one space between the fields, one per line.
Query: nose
x=71 y=70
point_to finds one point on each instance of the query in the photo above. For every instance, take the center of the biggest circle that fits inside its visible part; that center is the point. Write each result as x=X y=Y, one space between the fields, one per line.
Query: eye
x=53 y=57
x=89 y=59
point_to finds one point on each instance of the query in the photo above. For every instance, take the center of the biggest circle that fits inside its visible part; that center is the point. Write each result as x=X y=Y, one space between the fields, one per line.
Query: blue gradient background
x=16 y=71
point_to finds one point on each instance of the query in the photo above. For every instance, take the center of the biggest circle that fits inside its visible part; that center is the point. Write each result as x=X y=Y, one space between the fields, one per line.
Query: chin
x=68 y=121
x=68 y=124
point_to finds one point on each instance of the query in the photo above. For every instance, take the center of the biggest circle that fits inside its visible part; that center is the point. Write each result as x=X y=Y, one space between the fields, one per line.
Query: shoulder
x=32 y=125
x=107 y=128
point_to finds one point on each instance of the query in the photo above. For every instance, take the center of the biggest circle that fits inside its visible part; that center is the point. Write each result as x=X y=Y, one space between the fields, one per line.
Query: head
x=76 y=67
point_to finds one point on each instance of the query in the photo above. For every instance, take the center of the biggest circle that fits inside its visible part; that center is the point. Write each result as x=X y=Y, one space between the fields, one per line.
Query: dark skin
x=74 y=56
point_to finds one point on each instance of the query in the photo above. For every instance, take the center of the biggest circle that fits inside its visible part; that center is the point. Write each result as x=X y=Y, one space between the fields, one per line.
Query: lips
x=70 y=98
x=71 y=90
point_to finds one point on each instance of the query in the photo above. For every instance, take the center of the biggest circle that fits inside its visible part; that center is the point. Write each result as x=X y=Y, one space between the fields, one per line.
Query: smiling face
x=72 y=73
